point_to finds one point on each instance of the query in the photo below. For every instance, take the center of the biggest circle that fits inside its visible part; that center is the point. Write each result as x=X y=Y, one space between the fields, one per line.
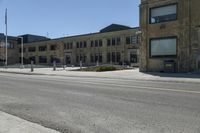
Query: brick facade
x=186 y=28
x=88 y=48
x=12 y=50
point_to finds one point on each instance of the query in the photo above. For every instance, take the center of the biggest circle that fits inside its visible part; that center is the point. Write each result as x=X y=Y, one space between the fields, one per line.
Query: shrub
x=106 y=68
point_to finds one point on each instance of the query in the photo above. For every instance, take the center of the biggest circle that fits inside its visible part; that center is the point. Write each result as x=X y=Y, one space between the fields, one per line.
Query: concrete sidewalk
x=12 y=124
x=124 y=74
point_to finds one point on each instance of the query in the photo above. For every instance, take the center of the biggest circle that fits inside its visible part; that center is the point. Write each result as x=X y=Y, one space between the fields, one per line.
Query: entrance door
x=67 y=60
x=133 y=58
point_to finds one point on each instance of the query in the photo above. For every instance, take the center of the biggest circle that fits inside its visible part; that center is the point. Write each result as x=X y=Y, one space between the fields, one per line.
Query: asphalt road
x=100 y=105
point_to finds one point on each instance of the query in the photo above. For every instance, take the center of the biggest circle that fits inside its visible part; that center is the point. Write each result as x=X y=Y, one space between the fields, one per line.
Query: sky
x=58 y=18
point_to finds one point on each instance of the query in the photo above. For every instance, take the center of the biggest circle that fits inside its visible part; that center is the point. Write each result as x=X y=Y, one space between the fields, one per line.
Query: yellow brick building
x=170 y=34
x=114 y=44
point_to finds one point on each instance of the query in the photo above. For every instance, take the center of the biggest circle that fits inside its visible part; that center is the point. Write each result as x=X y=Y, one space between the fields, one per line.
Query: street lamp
x=22 y=52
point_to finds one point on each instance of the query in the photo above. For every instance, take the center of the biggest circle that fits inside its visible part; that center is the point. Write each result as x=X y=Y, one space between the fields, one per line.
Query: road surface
x=101 y=105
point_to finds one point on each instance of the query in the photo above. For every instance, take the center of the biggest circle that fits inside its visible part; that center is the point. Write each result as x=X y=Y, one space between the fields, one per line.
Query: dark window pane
x=108 y=42
x=118 y=56
x=42 y=48
x=92 y=43
x=42 y=59
x=85 y=44
x=108 y=57
x=96 y=43
x=100 y=43
x=77 y=45
x=31 y=49
x=113 y=41
x=118 y=41
x=53 y=47
x=113 y=56
x=81 y=44
x=128 y=40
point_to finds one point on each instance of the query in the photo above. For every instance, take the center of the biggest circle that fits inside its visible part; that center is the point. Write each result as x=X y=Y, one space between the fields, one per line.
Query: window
x=32 y=58
x=108 y=42
x=68 y=45
x=31 y=49
x=133 y=58
x=42 y=59
x=163 y=14
x=20 y=50
x=42 y=48
x=92 y=58
x=163 y=47
x=118 y=41
x=53 y=47
x=77 y=45
x=118 y=56
x=113 y=41
x=108 y=57
x=92 y=43
x=128 y=40
x=96 y=43
x=9 y=45
x=77 y=59
x=81 y=44
x=71 y=45
x=134 y=39
x=65 y=46
x=96 y=57
x=100 y=58
x=85 y=44
x=113 y=56
x=83 y=58
x=53 y=58
x=100 y=43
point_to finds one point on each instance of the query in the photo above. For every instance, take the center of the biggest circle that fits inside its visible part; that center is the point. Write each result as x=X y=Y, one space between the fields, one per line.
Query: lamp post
x=22 y=52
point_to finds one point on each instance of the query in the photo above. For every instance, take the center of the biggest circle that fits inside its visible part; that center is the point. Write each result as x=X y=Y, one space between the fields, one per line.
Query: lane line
x=143 y=87
x=120 y=85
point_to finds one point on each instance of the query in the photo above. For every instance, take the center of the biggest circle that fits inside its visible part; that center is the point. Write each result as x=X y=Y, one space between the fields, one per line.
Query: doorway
x=67 y=60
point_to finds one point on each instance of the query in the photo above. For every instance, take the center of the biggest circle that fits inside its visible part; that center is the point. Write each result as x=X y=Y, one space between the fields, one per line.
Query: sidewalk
x=124 y=74
x=12 y=124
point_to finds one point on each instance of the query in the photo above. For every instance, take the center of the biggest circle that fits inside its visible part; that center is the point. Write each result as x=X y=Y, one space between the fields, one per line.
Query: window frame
x=150 y=9
x=42 y=48
x=42 y=59
x=163 y=38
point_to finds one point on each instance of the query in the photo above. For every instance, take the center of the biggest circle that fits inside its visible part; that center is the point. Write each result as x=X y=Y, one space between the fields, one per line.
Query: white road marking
x=122 y=85
x=143 y=87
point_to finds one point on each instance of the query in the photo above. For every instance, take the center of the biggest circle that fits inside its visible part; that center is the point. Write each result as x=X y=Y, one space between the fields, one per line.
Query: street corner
x=13 y=124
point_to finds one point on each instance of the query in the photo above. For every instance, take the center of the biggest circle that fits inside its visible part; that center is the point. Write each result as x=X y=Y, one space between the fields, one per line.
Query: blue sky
x=61 y=18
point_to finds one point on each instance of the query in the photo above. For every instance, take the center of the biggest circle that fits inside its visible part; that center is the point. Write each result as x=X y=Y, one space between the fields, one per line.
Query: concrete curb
x=25 y=73
x=122 y=78
x=13 y=124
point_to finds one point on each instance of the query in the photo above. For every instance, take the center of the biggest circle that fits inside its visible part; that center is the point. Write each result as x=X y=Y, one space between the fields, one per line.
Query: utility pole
x=6 y=23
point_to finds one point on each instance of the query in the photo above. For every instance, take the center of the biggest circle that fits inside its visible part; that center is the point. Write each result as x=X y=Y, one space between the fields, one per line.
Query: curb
x=12 y=124
x=24 y=73
x=138 y=79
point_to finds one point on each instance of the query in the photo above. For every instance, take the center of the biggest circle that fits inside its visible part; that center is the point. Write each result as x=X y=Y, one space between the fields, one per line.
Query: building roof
x=28 y=38
x=114 y=27
x=3 y=37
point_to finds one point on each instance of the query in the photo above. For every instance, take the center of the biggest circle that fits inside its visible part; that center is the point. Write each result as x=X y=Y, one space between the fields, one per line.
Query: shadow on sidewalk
x=175 y=75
